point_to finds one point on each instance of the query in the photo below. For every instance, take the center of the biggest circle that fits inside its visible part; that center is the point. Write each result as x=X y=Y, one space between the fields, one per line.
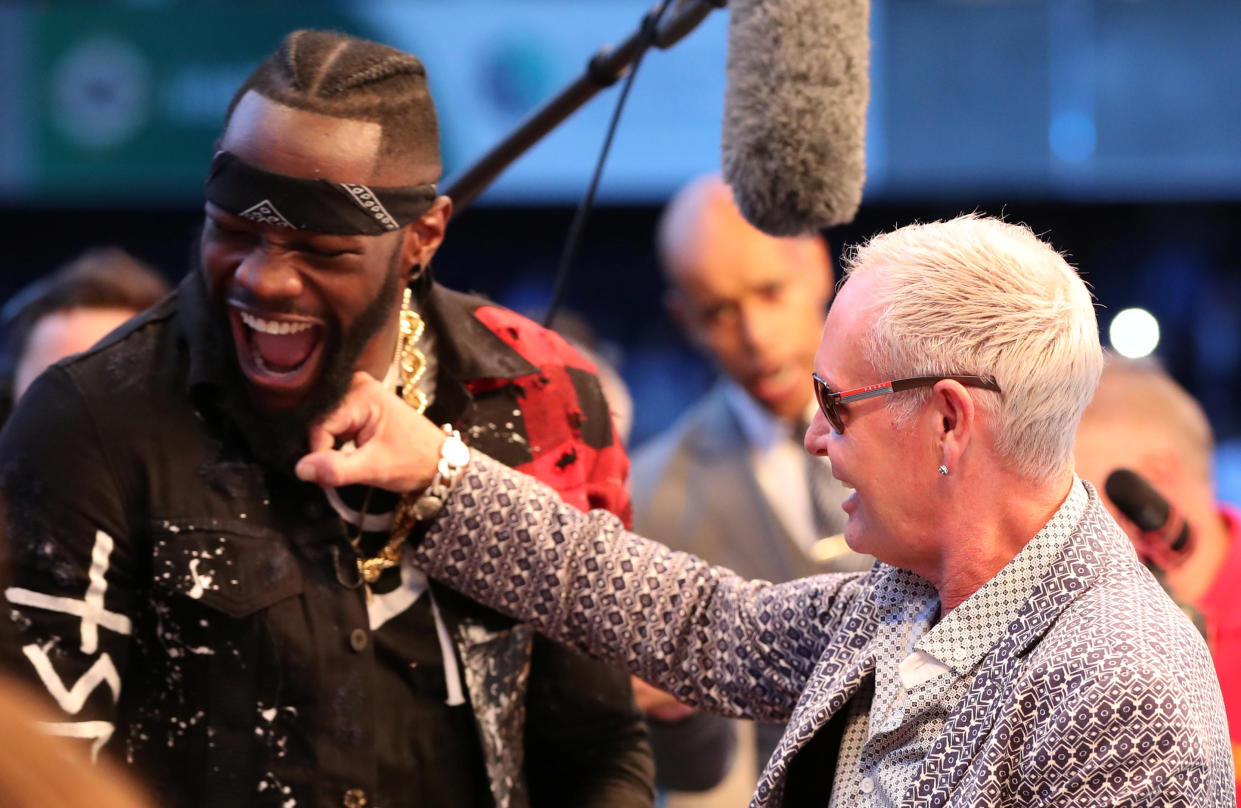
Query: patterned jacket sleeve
x=586 y=741
x=69 y=566
x=713 y=640
x=1124 y=738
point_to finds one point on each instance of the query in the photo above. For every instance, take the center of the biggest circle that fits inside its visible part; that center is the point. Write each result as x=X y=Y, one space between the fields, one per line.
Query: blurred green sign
x=126 y=102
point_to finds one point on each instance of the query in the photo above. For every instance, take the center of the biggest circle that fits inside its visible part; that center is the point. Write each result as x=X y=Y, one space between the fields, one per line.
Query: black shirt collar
x=201 y=331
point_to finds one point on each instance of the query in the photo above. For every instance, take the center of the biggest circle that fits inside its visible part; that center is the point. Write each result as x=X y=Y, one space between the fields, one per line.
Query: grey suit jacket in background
x=1101 y=693
x=694 y=489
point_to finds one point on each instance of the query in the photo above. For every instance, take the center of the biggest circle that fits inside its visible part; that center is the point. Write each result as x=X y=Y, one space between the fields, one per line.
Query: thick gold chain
x=408 y=357
x=412 y=364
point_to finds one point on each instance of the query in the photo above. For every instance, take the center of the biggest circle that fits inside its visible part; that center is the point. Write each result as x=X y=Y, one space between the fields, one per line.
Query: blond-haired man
x=1009 y=649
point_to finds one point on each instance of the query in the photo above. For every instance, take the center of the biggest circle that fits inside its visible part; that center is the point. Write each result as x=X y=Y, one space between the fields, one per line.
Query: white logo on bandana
x=265 y=213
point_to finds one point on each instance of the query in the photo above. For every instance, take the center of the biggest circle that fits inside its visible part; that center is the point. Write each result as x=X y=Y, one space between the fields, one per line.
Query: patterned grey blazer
x=1102 y=693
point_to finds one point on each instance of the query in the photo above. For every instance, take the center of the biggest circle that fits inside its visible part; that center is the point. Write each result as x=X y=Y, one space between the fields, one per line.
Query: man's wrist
x=419 y=506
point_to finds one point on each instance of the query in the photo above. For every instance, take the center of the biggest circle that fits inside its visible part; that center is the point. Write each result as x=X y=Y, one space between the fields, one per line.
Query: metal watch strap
x=454 y=456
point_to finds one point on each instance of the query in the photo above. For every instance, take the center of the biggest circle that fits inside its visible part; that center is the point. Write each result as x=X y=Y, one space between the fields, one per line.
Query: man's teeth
x=272 y=326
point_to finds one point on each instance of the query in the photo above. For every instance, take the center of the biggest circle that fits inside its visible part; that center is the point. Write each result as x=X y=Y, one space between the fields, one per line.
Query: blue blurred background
x=1114 y=128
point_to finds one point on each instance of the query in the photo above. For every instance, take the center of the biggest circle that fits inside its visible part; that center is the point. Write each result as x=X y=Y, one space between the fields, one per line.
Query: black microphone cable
x=568 y=256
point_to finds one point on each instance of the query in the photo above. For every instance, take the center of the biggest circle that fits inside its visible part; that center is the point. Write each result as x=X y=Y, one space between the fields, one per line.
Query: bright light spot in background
x=1134 y=333
x=1072 y=136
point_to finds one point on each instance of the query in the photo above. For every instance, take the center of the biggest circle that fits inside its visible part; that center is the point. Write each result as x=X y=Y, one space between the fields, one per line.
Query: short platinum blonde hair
x=976 y=295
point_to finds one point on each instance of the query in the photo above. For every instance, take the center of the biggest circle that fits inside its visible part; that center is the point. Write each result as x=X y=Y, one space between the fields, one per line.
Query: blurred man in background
x=1141 y=419
x=731 y=481
x=71 y=309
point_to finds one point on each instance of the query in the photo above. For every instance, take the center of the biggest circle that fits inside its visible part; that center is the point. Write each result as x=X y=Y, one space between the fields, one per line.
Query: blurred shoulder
x=536 y=343
x=1122 y=626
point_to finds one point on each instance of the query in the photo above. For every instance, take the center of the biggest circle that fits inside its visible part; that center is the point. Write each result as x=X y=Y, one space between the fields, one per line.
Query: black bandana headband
x=321 y=206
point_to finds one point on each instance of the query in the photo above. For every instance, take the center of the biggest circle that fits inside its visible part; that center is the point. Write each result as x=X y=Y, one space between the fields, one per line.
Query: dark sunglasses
x=830 y=402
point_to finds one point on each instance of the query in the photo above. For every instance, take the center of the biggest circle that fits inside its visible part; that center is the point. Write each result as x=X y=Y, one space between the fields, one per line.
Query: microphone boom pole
x=603 y=70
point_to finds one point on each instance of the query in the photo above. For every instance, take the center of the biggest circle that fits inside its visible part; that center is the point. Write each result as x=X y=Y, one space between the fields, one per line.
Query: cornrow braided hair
x=331 y=73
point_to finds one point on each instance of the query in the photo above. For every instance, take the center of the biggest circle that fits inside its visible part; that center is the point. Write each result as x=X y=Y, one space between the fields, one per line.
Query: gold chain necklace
x=412 y=364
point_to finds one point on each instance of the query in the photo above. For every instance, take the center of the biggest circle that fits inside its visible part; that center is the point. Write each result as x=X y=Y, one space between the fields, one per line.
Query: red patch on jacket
x=585 y=476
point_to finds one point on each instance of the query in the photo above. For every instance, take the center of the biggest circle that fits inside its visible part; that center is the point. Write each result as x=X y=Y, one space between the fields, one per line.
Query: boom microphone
x=1166 y=537
x=794 y=130
x=793 y=144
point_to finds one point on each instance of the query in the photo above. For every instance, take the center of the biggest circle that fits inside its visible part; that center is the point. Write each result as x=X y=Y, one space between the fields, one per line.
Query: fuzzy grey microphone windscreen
x=794 y=134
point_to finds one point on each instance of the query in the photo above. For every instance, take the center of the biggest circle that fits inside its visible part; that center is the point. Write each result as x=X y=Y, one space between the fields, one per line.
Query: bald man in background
x=731 y=481
x=1142 y=420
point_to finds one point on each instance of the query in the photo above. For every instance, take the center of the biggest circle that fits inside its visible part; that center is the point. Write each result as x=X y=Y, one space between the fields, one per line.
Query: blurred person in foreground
x=730 y=481
x=38 y=770
x=237 y=636
x=1008 y=650
x=1141 y=419
x=71 y=309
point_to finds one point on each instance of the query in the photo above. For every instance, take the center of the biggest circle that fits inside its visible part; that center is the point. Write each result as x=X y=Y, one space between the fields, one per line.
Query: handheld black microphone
x=794 y=133
x=1166 y=538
